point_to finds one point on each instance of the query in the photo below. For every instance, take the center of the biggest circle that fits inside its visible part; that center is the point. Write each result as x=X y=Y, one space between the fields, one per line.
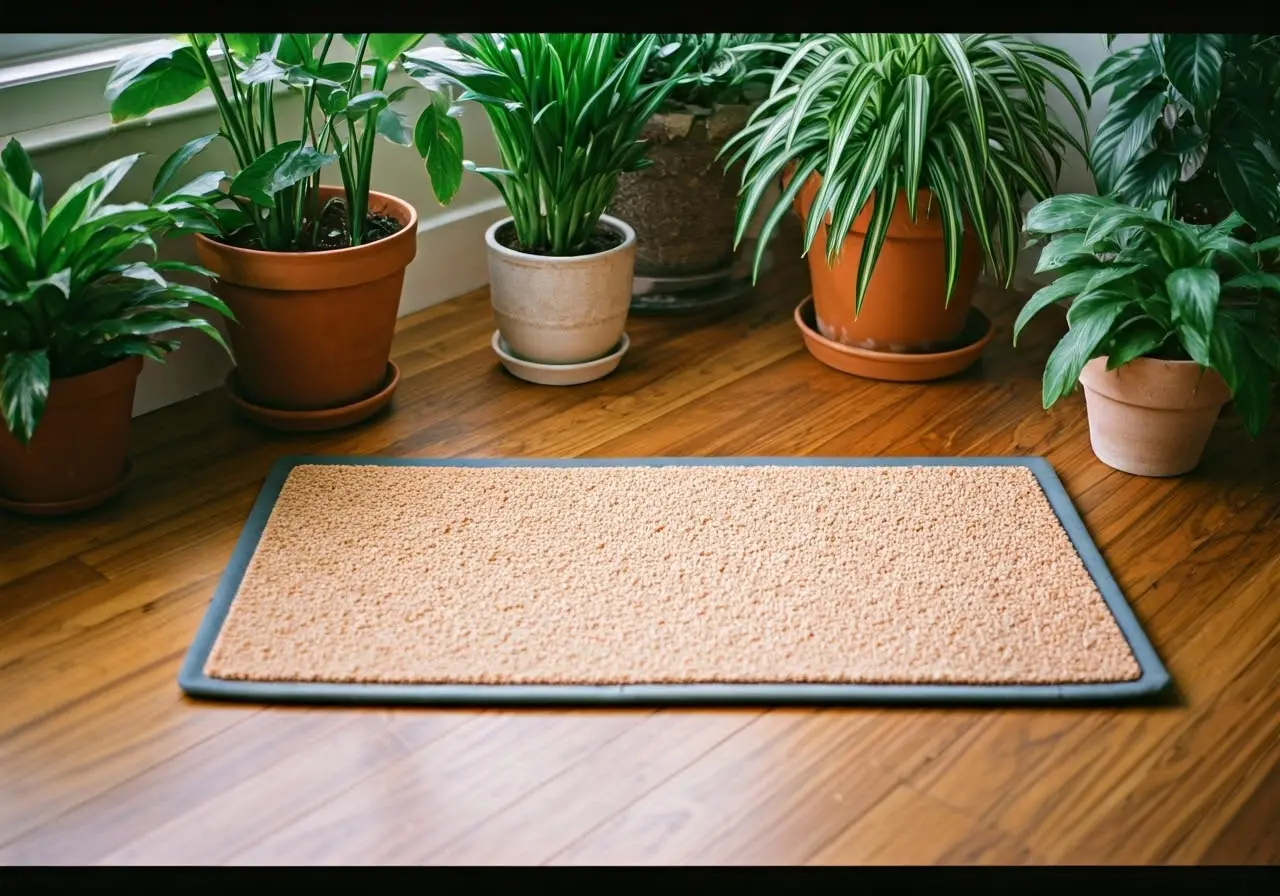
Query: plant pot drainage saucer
x=699 y=292
x=558 y=374
x=72 y=505
x=896 y=366
x=318 y=420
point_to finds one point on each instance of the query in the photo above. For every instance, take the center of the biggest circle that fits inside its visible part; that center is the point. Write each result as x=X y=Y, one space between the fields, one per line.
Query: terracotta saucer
x=316 y=421
x=896 y=366
x=558 y=374
x=75 y=505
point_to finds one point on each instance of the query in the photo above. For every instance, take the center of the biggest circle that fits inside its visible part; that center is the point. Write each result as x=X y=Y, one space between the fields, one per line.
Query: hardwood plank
x=103 y=761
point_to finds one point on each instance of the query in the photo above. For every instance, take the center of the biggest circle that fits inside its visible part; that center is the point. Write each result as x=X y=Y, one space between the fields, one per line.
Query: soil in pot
x=905 y=307
x=683 y=205
x=80 y=448
x=1152 y=417
x=561 y=309
x=604 y=239
x=332 y=231
x=315 y=328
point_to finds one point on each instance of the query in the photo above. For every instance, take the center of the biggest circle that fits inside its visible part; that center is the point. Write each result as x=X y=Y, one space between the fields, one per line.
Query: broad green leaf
x=1065 y=287
x=444 y=158
x=392 y=125
x=1256 y=280
x=202 y=186
x=1077 y=347
x=280 y=167
x=1062 y=250
x=365 y=103
x=24 y=389
x=1136 y=339
x=1193 y=295
x=140 y=85
x=1193 y=63
x=174 y=163
x=1233 y=355
x=1249 y=182
x=388 y=47
x=1124 y=130
x=1070 y=211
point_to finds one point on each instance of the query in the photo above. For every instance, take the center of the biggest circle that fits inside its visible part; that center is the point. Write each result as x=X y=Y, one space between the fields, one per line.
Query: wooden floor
x=103 y=761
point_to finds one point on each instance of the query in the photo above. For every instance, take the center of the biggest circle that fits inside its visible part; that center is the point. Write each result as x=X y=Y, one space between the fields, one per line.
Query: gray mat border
x=195 y=683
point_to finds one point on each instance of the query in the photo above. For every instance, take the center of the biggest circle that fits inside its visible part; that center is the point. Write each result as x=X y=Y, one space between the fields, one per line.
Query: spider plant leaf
x=915 y=136
x=886 y=197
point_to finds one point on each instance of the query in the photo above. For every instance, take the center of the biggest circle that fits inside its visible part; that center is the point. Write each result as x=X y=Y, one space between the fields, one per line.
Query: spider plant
x=272 y=202
x=69 y=303
x=1193 y=119
x=877 y=115
x=719 y=73
x=566 y=109
x=1145 y=284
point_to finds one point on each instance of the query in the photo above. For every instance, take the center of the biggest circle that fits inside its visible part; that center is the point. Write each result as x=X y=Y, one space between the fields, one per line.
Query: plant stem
x=239 y=143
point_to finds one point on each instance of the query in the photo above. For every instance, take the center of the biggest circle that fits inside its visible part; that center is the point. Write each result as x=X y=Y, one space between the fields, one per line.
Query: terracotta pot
x=905 y=307
x=554 y=310
x=683 y=205
x=1151 y=417
x=80 y=446
x=315 y=328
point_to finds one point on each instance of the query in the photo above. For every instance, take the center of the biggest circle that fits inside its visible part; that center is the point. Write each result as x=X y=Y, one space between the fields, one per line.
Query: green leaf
x=444 y=160
x=200 y=187
x=392 y=125
x=1067 y=360
x=1065 y=287
x=17 y=164
x=141 y=84
x=1061 y=251
x=1249 y=182
x=915 y=135
x=24 y=389
x=388 y=47
x=1136 y=339
x=1070 y=211
x=1193 y=295
x=1232 y=354
x=1124 y=131
x=174 y=163
x=363 y=104
x=1255 y=280
x=1193 y=63
x=277 y=169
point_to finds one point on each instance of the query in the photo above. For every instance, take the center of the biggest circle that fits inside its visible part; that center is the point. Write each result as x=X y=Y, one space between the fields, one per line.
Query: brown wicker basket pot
x=682 y=206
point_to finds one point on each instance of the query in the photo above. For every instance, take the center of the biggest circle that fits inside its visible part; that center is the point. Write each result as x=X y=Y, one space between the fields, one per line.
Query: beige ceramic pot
x=561 y=310
x=1151 y=417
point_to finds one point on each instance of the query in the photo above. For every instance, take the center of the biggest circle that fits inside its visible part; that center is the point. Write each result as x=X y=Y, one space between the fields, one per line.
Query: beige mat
x=626 y=575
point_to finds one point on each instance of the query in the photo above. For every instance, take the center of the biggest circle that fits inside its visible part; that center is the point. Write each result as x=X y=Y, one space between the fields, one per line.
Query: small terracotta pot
x=315 y=328
x=683 y=205
x=1151 y=417
x=554 y=310
x=905 y=308
x=81 y=444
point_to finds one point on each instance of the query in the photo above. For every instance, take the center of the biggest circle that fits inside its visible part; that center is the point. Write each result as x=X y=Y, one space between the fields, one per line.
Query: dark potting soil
x=333 y=231
x=604 y=239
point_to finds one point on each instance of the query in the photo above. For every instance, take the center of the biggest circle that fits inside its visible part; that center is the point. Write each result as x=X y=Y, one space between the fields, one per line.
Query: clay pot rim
x=1211 y=388
x=81 y=387
x=628 y=243
x=328 y=191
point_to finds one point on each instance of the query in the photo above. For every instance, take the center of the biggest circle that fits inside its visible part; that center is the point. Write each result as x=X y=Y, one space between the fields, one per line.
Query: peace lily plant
x=83 y=300
x=567 y=111
x=316 y=335
x=1159 y=337
x=932 y=138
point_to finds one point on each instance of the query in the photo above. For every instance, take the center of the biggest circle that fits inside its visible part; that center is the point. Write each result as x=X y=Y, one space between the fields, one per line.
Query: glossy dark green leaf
x=1076 y=348
x=140 y=85
x=175 y=162
x=1137 y=339
x=24 y=389
x=1193 y=63
x=1193 y=295
x=280 y=167
x=1249 y=182
x=1123 y=133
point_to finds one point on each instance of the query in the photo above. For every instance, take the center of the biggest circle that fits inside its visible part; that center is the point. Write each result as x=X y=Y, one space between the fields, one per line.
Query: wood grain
x=103 y=761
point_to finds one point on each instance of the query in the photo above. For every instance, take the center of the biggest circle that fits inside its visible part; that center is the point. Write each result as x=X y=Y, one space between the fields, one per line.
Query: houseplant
x=313 y=272
x=1158 y=337
x=567 y=111
x=76 y=321
x=907 y=155
x=1193 y=119
x=681 y=207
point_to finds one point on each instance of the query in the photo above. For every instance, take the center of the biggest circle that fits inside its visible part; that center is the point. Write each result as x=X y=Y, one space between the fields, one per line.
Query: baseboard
x=451 y=261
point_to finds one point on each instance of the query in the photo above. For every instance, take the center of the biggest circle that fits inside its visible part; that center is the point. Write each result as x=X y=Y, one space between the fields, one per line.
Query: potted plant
x=313 y=272
x=567 y=111
x=908 y=156
x=76 y=322
x=1159 y=339
x=681 y=208
x=1193 y=119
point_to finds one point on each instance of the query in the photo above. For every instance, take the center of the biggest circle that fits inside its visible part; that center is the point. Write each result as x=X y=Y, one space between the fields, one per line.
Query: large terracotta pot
x=683 y=205
x=315 y=328
x=1152 y=417
x=79 y=451
x=561 y=310
x=905 y=308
